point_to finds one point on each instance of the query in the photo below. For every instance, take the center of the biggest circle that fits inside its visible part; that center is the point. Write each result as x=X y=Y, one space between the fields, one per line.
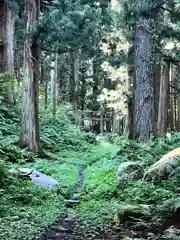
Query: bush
x=3 y=172
x=14 y=154
x=60 y=133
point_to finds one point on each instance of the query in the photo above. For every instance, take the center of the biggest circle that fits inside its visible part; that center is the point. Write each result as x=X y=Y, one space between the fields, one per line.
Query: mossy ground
x=26 y=210
x=34 y=208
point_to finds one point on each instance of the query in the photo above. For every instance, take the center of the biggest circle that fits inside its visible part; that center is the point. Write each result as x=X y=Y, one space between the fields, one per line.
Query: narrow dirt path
x=67 y=229
x=63 y=228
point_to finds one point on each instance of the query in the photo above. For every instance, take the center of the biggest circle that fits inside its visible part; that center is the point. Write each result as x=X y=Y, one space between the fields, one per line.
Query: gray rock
x=42 y=180
x=99 y=138
x=36 y=177
x=129 y=170
x=71 y=202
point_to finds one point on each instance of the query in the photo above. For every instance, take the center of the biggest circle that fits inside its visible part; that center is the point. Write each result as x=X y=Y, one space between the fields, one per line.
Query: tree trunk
x=63 y=78
x=6 y=43
x=102 y=123
x=18 y=65
x=96 y=68
x=74 y=79
x=178 y=100
x=157 y=80
x=175 y=113
x=116 y=122
x=72 y=95
x=130 y=96
x=144 y=97
x=60 y=79
x=82 y=96
x=54 y=87
x=171 y=112
x=178 y=105
x=159 y=17
x=76 y=74
x=42 y=78
x=29 y=136
x=6 y=39
x=46 y=94
x=46 y=78
x=163 y=101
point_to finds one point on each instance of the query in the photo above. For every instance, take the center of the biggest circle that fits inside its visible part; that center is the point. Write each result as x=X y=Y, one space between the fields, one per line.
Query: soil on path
x=62 y=229
x=66 y=228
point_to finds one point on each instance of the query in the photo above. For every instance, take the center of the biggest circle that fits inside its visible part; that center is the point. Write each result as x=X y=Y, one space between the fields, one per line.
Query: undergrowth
x=106 y=202
x=136 y=205
x=25 y=209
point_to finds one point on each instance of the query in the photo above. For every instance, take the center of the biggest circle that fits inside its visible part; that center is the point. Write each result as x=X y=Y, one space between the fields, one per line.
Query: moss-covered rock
x=129 y=171
x=133 y=211
x=165 y=167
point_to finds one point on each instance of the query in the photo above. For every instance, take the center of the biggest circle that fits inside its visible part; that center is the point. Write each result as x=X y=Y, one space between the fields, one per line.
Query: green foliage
x=59 y=133
x=138 y=203
x=26 y=209
x=14 y=154
x=3 y=172
x=102 y=198
x=6 y=82
x=142 y=192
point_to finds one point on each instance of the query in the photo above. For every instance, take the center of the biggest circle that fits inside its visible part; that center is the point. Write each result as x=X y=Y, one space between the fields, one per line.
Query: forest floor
x=68 y=226
x=135 y=209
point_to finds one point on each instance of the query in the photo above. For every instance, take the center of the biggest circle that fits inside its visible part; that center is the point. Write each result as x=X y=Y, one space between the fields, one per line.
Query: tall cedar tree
x=29 y=135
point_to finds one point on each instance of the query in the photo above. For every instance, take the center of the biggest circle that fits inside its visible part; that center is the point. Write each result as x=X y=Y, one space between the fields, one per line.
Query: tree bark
x=46 y=94
x=171 y=112
x=96 y=68
x=74 y=79
x=144 y=97
x=60 y=62
x=72 y=95
x=54 y=87
x=45 y=78
x=6 y=43
x=159 y=17
x=157 y=80
x=42 y=77
x=63 y=78
x=18 y=65
x=130 y=96
x=178 y=100
x=102 y=122
x=29 y=136
x=116 y=122
x=163 y=101
x=6 y=39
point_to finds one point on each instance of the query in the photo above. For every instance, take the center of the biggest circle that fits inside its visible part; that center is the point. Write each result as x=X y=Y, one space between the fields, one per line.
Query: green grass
x=102 y=198
x=30 y=209
x=26 y=210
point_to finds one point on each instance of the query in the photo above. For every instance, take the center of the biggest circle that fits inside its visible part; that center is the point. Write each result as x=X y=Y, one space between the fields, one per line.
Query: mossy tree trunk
x=6 y=44
x=29 y=135
x=163 y=100
x=54 y=86
x=130 y=96
x=144 y=97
